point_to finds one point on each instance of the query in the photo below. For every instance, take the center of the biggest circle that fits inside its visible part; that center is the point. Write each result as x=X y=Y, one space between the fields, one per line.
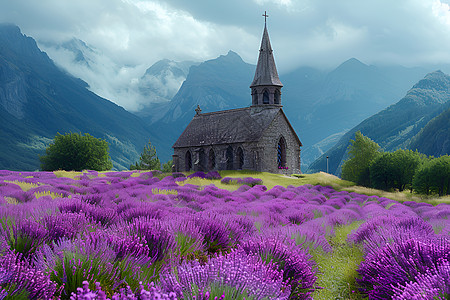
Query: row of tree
x=368 y=166
x=77 y=152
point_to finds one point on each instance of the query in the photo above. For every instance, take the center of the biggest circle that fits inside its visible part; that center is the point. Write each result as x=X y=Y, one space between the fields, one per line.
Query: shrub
x=74 y=151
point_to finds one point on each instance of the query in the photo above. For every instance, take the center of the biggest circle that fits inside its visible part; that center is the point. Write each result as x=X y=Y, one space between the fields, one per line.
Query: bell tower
x=266 y=86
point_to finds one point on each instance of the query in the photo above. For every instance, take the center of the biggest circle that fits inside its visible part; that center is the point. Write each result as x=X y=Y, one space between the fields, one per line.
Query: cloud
x=131 y=35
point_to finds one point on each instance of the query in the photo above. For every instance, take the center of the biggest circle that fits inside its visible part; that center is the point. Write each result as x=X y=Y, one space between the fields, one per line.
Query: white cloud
x=131 y=35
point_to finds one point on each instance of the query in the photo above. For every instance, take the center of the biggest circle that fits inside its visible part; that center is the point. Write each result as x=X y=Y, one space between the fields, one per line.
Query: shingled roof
x=266 y=70
x=226 y=127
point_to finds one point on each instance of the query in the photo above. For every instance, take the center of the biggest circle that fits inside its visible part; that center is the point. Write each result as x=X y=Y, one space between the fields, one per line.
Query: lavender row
x=135 y=234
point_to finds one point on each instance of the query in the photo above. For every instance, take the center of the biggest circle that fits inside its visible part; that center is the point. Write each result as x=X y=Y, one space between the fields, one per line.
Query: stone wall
x=269 y=143
x=260 y=156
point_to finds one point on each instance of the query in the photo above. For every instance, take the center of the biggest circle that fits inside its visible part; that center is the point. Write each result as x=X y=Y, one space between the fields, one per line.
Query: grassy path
x=337 y=270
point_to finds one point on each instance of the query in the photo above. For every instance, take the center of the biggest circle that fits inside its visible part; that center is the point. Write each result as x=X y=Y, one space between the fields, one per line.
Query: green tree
x=422 y=180
x=76 y=152
x=440 y=174
x=148 y=159
x=395 y=170
x=382 y=172
x=434 y=177
x=362 y=151
x=167 y=167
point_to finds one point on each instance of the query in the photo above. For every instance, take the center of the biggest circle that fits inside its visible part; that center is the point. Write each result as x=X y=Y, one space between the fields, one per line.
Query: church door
x=229 y=158
x=240 y=157
x=212 y=160
x=188 y=161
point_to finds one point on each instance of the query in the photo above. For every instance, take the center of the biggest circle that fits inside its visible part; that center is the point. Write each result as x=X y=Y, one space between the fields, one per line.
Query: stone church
x=258 y=137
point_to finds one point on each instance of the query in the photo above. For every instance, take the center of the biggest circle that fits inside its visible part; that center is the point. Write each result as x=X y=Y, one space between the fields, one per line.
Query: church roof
x=266 y=71
x=226 y=127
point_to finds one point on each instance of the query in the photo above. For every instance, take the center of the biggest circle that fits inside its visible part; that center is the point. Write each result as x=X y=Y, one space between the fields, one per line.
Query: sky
x=128 y=36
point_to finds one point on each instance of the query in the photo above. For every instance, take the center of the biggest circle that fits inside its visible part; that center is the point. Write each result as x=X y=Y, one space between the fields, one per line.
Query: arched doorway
x=188 y=161
x=230 y=158
x=212 y=160
x=281 y=153
x=240 y=157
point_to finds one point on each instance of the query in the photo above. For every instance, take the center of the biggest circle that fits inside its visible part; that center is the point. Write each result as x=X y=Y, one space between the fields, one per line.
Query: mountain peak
x=12 y=39
x=351 y=65
x=230 y=57
x=437 y=81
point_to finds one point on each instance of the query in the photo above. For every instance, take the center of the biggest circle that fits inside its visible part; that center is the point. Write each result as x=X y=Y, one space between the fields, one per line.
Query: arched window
x=229 y=158
x=281 y=153
x=240 y=157
x=266 y=97
x=188 y=161
x=212 y=160
x=277 y=97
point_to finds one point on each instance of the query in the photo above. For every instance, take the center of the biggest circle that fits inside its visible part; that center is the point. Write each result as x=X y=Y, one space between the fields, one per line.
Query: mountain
x=320 y=105
x=324 y=105
x=159 y=85
x=434 y=138
x=38 y=100
x=397 y=125
x=216 y=84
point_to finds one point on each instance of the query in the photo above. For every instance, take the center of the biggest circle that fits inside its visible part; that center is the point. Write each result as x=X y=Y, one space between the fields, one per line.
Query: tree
x=76 y=152
x=362 y=152
x=422 y=180
x=440 y=175
x=395 y=170
x=383 y=172
x=167 y=167
x=148 y=159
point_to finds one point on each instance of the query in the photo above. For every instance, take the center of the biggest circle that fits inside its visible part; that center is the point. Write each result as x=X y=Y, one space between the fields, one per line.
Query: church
x=258 y=137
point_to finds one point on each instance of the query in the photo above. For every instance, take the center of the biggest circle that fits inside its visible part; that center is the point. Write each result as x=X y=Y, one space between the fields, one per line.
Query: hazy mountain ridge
x=320 y=105
x=38 y=100
x=397 y=125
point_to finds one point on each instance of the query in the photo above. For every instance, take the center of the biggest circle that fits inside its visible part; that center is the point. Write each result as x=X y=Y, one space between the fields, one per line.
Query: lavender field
x=147 y=235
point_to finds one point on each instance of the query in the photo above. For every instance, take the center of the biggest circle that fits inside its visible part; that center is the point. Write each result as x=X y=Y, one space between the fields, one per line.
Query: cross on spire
x=265 y=15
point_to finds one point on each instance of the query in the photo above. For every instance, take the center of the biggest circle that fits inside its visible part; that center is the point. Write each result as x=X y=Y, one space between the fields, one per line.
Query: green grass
x=338 y=269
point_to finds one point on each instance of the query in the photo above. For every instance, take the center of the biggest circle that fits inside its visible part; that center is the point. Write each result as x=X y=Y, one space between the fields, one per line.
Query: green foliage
x=74 y=268
x=395 y=170
x=338 y=269
x=74 y=151
x=148 y=159
x=433 y=177
x=167 y=167
x=362 y=152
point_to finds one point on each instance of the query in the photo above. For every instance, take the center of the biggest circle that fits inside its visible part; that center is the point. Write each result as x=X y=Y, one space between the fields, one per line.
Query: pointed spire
x=266 y=71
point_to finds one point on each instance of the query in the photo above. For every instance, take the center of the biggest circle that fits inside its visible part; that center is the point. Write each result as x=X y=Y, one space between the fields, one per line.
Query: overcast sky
x=133 y=34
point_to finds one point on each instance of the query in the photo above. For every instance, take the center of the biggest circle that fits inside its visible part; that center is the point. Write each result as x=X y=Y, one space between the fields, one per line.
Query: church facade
x=258 y=137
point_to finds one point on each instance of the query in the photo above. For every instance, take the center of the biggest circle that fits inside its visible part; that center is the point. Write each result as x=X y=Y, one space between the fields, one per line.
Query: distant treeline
x=368 y=166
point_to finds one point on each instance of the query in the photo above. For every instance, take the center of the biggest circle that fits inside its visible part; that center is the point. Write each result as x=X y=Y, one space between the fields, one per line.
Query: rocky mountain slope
x=38 y=100
x=399 y=124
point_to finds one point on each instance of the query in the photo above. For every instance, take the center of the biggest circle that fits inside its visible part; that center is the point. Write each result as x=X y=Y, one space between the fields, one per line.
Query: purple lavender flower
x=245 y=273
x=401 y=263
x=21 y=276
x=295 y=264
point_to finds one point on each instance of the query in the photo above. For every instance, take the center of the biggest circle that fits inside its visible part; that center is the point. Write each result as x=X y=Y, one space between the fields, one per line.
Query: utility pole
x=327 y=164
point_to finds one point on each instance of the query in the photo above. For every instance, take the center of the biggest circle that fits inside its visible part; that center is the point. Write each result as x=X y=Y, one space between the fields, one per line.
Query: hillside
x=395 y=126
x=217 y=84
x=434 y=138
x=320 y=105
x=38 y=100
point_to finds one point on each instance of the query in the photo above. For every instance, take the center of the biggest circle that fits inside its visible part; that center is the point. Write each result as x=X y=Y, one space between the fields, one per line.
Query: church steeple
x=266 y=86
